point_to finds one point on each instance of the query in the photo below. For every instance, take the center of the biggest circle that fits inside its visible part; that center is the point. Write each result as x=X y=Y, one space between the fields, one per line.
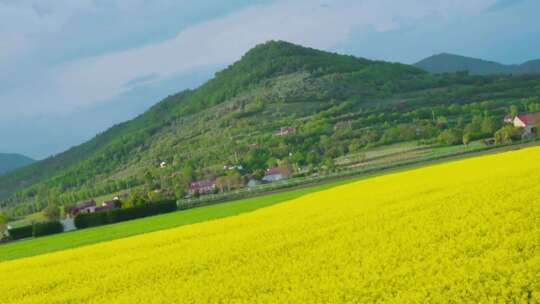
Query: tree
x=514 y=110
x=450 y=137
x=232 y=181
x=52 y=212
x=272 y=162
x=135 y=198
x=312 y=158
x=328 y=164
x=354 y=146
x=466 y=139
x=3 y=222
x=507 y=134
x=442 y=122
x=489 y=125
x=188 y=174
x=472 y=128
x=155 y=196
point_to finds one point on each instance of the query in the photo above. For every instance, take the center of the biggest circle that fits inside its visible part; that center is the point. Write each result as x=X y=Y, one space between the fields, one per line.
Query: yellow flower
x=461 y=232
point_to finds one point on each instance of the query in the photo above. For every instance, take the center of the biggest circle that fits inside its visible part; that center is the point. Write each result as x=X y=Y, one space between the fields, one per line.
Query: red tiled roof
x=529 y=118
x=81 y=206
x=276 y=170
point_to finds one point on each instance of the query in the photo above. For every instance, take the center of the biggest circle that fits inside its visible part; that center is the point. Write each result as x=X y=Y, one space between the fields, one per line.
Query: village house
x=201 y=187
x=81 y=208
x=283 y=131
x=91 y=207
x=108 y=205
x=275 y=174
x=526 y=121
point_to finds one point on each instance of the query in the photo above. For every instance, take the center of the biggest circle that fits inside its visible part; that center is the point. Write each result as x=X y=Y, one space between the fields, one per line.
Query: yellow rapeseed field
x=462 y=232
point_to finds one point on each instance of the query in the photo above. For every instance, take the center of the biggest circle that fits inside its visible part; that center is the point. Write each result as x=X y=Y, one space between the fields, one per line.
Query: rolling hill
x=9 y=162
x=450 y=63
x=338 y=104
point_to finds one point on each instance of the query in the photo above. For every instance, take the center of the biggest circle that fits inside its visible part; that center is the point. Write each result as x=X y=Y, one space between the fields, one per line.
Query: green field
x=73 y=239
x=28 y=220
x=31 y=247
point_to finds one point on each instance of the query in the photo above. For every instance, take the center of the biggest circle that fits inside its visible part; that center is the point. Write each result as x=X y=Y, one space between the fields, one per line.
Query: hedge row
x=35 y=230
x=21 y=232
x=42 y=229
x=119 y=215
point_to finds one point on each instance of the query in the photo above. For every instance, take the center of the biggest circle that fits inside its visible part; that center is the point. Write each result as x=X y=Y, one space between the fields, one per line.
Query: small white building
x=526 y=121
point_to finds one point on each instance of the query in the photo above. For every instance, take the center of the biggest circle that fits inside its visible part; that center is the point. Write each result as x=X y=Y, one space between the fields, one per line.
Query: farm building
x=91 y=207
x=275 y=174
x=82 y=207
x=201 y=187
x=526 y=121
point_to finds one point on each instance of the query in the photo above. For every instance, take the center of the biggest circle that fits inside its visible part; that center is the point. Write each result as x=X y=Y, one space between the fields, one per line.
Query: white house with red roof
x=275 y=174
x=82 y=207
x=527 y=121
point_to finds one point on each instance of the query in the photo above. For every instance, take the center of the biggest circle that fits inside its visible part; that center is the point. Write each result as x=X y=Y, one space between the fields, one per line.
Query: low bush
x=90 y=220
x=47 y=228
x=21 y=232
x=120 y=215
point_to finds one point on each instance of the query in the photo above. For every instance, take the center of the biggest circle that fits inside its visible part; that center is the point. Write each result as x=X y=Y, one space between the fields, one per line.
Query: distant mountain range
x=450 y=63
x=9 y=162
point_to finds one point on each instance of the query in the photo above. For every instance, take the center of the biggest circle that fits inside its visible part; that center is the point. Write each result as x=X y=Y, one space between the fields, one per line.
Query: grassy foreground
x=466 y=231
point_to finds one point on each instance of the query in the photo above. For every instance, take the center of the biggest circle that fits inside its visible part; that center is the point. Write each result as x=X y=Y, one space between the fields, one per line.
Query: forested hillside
x=10 y=162
x=338 y=104
x=450 y=63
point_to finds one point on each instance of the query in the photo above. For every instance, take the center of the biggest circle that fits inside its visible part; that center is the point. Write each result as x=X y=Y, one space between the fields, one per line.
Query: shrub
x=120 y=215
x=450 y=137
x=21 y=232
x=507 y=134
x=47 y=228
x=90 y=220
x=52 y=213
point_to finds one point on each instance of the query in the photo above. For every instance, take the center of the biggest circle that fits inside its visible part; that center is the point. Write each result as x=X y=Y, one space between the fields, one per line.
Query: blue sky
x=70 y=69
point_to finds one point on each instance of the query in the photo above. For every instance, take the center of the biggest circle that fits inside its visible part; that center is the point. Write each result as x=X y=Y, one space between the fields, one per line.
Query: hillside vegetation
x=338 y=104
x=9 y=162
x=464 y=231
x=450 y=63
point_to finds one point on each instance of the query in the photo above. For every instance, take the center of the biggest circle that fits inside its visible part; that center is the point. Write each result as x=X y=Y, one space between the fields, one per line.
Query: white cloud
x=317 y=23
x=24 y=23
x=312 y=23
